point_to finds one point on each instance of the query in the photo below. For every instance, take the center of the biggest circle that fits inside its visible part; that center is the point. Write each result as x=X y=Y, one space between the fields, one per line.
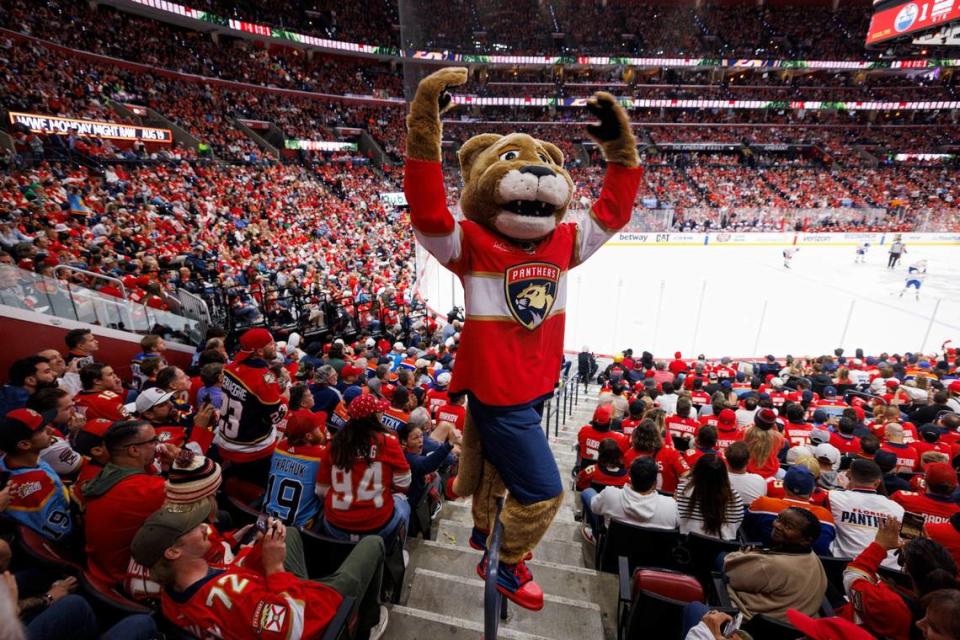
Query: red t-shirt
x=846 y=444
x=453 y=413
x=102 y=404
x=595 y=474
x=947 y=535
x=113 y=519
x=726 y=437
x=589 y=440
x=798 y=434
x=360 y=499
x=907 y=457
x=692 y=455
x=628 y=425
x=935 y=509
x=435 y=399
x=682 y=428
x=670 y=463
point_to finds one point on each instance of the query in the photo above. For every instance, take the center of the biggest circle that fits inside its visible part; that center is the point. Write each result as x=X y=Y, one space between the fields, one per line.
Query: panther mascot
x=512 y=252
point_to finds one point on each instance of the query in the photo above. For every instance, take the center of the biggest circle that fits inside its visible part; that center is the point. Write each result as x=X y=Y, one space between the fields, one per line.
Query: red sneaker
x=516 y=583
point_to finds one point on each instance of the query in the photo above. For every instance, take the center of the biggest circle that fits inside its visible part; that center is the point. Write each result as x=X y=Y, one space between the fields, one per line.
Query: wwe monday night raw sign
x=54 y=125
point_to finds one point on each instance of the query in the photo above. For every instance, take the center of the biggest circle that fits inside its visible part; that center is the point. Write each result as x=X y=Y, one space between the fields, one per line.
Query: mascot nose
x=538 y=170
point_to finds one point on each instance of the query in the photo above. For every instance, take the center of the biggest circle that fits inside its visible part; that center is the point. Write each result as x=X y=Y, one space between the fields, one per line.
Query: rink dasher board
x=776 y=239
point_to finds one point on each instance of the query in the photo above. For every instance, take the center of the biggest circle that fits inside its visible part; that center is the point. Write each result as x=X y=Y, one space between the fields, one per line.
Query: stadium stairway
x=443 y=596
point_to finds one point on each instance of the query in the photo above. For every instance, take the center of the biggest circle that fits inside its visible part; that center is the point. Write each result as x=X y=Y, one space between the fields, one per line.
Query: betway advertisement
x=911 y=17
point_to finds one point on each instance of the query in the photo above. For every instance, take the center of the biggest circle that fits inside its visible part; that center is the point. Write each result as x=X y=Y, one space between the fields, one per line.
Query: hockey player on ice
x=862 y=253
x=788 y=255
x=920 y=266
x=914 y=280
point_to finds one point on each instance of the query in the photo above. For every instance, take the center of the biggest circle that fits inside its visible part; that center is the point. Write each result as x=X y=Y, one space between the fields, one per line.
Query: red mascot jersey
x=515 y=299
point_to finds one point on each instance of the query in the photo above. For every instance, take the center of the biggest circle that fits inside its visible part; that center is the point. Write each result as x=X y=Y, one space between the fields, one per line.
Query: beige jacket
x=770 y=582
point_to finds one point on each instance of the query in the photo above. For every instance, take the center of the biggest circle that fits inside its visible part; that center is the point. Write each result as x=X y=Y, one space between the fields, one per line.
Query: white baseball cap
x=148 y=400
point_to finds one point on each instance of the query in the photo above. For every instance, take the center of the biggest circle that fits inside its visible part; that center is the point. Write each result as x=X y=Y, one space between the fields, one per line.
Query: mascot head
x=514 y=184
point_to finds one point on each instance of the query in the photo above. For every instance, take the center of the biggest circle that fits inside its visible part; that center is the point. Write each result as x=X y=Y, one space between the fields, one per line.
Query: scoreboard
x=896 y=19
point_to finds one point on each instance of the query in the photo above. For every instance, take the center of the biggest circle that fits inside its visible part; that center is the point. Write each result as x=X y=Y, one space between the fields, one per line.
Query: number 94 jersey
x=360 y=498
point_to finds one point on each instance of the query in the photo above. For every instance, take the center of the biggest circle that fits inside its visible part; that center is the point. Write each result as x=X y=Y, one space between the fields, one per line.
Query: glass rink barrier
x=54 y=297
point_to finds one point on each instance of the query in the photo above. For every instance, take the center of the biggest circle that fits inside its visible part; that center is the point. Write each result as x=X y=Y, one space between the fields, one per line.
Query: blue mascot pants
x=514 y=442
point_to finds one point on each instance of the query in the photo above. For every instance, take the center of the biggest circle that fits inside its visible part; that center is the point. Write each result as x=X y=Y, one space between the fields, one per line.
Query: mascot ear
x=471 y=149
x=553 y=151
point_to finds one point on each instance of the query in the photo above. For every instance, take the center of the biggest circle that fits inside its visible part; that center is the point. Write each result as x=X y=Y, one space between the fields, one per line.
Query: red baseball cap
x=28 y=418
x=954 y=387
x=254 y=339
x=365 y=406
x=727 y=416
x=892 y=382
x=96 y=427
x=303 y=421
x=603 y=414
x=940 y=473
x=826 y=628
x=350 y=370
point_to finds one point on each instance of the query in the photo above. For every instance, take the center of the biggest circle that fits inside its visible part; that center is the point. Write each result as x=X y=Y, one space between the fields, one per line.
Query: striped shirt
x=691 y=520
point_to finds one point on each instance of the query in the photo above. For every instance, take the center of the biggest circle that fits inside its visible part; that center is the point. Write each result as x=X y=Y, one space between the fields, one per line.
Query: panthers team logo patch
x=531 y=290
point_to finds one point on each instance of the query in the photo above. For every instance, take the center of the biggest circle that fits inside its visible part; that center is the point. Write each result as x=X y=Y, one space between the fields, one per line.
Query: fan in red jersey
x=590 y=436
x=363 y=476
x=215 y=601
x=253 y=406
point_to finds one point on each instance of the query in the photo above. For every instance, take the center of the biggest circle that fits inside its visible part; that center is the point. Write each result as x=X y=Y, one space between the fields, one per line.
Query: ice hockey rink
x=699 y=295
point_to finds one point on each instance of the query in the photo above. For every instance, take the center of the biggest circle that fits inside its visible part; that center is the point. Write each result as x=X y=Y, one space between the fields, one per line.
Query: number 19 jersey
x=292 y=488
x=360 y=499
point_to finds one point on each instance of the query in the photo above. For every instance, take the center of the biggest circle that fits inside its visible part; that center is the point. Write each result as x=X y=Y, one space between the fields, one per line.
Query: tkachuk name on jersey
x=290 y=465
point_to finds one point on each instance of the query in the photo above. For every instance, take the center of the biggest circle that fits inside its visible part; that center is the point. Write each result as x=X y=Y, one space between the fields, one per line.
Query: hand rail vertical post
x=494 y=604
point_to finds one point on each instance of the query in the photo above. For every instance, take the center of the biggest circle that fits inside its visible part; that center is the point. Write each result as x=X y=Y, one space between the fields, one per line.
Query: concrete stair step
x=552 y=550
x=459 y=511
x=559 y=579
x=559 y=618
x=417 y=624
x=563 y=528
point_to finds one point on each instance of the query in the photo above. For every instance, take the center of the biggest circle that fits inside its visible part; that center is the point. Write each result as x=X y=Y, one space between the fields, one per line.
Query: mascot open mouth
x=532 y=208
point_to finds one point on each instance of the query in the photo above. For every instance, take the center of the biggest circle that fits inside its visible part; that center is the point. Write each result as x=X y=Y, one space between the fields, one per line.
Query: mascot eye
x=543 y=157
x=509 y=155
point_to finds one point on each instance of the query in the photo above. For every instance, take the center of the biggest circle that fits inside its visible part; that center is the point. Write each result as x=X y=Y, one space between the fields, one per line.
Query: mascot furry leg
x=512 y=252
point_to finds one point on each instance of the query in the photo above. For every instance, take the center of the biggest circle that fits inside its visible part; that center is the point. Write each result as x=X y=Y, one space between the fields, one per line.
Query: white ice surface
x=614 y=301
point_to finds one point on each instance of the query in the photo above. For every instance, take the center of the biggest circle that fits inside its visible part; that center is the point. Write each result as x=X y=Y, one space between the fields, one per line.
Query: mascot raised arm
x=512 y=252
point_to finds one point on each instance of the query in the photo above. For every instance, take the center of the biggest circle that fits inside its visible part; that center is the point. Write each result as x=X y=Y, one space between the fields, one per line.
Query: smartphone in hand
x=912 y=526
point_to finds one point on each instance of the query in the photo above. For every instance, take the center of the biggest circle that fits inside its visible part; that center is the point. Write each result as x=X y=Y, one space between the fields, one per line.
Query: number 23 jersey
x=361 y=498
x=253 y=407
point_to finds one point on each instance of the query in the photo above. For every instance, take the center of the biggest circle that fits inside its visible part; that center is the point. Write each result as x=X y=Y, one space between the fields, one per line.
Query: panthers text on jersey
x=39 y=500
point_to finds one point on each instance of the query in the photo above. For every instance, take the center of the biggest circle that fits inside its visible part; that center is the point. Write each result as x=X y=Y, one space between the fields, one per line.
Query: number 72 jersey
x=361 y=498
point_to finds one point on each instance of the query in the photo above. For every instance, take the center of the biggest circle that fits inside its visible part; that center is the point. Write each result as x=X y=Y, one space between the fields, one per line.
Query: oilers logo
x=531 y=290
x=905 y=18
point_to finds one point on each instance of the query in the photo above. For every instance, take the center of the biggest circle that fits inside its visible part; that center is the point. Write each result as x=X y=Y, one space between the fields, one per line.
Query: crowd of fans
x=140 y=469
x=616 y=27
x=260 y=243
x=792 y=467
